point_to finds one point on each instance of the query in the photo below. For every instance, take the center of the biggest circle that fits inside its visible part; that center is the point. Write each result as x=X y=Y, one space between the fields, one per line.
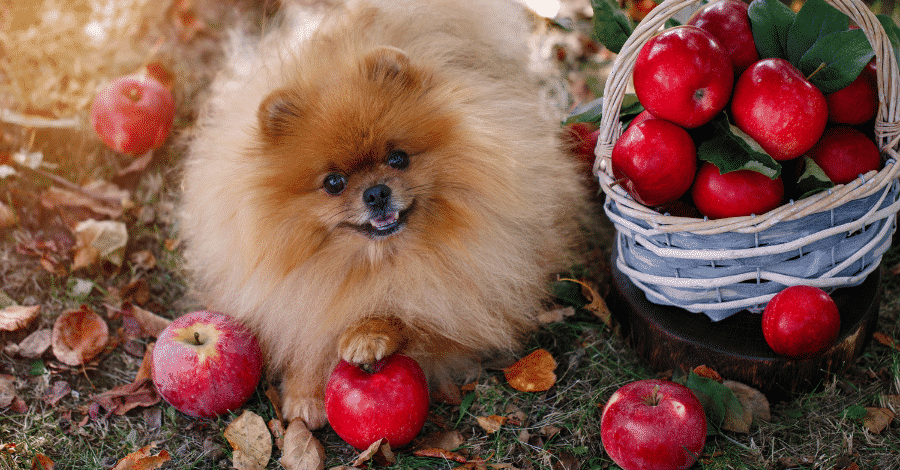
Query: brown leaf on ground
x=379 y=453
x=276 y=427
x=150 y=323
x=302 y=451
x=251 y=441
x=104 y=202
x=708 y=372
x=274 y=397
x=17 y=317
x=448 y=440
x=751 y=399
x=441 y=454
x=7 y=216
x=78 y=336
x=140 y=393
x=877 y=419
x=885 y=340
x=492 y=423
x=42 y=462
x=59 y=390
x=596 y=304
x=7 y=390
x=532 y=373
x=142 y=459
x=97 y=240
x=35 y=344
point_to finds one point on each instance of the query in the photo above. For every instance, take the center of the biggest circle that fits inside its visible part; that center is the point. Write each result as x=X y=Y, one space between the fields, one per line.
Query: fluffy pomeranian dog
x=384 y=183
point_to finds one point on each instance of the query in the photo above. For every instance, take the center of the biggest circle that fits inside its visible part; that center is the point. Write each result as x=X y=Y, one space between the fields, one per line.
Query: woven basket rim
x=887 y=130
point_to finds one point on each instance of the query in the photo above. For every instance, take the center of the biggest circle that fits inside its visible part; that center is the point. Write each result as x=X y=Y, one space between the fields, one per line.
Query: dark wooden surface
x=672 y=338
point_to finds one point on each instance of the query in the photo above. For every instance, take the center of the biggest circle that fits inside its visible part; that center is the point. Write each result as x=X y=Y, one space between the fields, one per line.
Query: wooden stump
x=669 y=337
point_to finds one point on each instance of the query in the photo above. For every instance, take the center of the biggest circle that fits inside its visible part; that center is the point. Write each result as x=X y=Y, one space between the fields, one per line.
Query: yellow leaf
x=492 y=423
x=532 y=373
x=251 y=441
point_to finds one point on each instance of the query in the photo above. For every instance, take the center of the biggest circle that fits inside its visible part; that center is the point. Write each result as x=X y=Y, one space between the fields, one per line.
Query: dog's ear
x=276 y=113
x=390 y=65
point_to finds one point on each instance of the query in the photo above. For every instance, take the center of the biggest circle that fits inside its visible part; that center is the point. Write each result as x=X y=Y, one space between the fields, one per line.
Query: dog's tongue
x=383 y=221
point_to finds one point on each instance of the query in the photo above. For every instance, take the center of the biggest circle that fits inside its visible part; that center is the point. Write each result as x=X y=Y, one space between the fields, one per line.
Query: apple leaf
x=893 y=34
x=592 y=111
x=770 y=21
x=611 y=25
x=835 y=60
x=731 y=149
x=722 y=407
x=813 y=179
x=814 y=20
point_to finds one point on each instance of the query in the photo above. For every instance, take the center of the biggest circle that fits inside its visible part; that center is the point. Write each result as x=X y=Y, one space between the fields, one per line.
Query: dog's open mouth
x=386 y=224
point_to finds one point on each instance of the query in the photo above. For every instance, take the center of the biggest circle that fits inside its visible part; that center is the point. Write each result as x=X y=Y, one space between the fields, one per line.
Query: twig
x=11 y=117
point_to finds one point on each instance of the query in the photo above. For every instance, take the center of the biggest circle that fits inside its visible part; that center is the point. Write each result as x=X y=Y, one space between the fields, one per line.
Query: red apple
x=582 y=141
x=653 y=425
x=844 y=153
x=133 y=114
x=776 y=106
x=205 y=363
x=641 y=117
x=856 y=103
x=736 y=193
x=654 y=161
x=389 y=402
x=729 y=23
x=801 y=322
x=683 y=75
x=640 y=8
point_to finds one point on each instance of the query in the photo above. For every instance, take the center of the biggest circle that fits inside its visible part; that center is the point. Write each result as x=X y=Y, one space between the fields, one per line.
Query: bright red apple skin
x=775 y=105
x=729 y=23
x=654 y=161
x=856 y=103
x=639 y=435
x=391 y=402
x=211 y=378
x=844 y=153
x=736 y=193
x=801 y=322
x=133 y=114
x=683 y=75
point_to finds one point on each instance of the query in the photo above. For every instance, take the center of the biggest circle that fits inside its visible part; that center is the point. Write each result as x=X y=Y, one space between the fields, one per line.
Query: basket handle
x=887 y=122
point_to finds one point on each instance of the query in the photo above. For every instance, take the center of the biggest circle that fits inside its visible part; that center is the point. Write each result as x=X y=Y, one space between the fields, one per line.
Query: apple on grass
x=683 y=75
x=653 y=425
x=844 y=153
x=205 y=364
x=801 y=322
x=133 y=114
x=388 y=401
x=736 y=193
x=654 y=161
x=729 y=23
x=782 y=111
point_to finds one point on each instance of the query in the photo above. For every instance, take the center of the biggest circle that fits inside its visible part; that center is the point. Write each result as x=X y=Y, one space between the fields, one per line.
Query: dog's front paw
x=371 y=340
x=310 y=409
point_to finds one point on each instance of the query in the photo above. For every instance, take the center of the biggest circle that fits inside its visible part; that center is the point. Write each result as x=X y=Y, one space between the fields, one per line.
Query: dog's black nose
x=377 y=197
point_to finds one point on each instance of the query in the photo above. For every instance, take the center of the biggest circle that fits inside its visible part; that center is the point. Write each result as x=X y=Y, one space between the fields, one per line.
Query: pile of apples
x=729 y=133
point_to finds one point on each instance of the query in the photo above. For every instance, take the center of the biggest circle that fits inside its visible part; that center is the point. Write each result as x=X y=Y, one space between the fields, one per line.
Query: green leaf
x=844 y=55
x=611 y=25
x=593 y=110
x=814 y=20
x=893 y=34
x=770 y=21
x=464 y=406
x=730 y=149
x=719 y=403
x=813 y=179
x=855 y=412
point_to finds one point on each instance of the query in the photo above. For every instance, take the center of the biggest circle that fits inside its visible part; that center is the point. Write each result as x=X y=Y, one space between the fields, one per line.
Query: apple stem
x=821 y=66
x=653 y=399
x=197 y=338
x=617 y=182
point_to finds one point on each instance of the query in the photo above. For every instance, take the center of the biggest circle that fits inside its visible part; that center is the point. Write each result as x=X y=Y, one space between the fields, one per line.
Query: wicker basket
x=719 y=267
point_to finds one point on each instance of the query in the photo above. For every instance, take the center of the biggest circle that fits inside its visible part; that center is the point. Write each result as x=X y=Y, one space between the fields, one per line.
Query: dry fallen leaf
x=151 y=324
x=448 y=440
x=16 y=317
x=596 y=304
x=751 y=399
x=78 y=336
x=274 y=397
x=251 y=441
x=7 y=390
x=492 y=423
x=35 y=344
x=7 y=216
x=379 y=452
x=440 y=454
x=276 y=427
x=877 y=419
x=99 y=239
x=59 y=390
x=141 y=459
x=302 y=451
x=42 y=462
x=532 y=373
x=885 y=340
x=708 y=372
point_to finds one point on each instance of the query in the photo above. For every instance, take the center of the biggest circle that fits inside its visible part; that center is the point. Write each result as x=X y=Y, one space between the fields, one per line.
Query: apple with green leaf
x=735 y=193
x=844 y=153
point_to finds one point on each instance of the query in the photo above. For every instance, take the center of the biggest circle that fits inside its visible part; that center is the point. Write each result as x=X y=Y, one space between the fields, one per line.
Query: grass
x=556 y=429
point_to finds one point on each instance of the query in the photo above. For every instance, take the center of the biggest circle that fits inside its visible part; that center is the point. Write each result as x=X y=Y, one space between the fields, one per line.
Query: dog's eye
x=398 y=159
x=334 y=183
